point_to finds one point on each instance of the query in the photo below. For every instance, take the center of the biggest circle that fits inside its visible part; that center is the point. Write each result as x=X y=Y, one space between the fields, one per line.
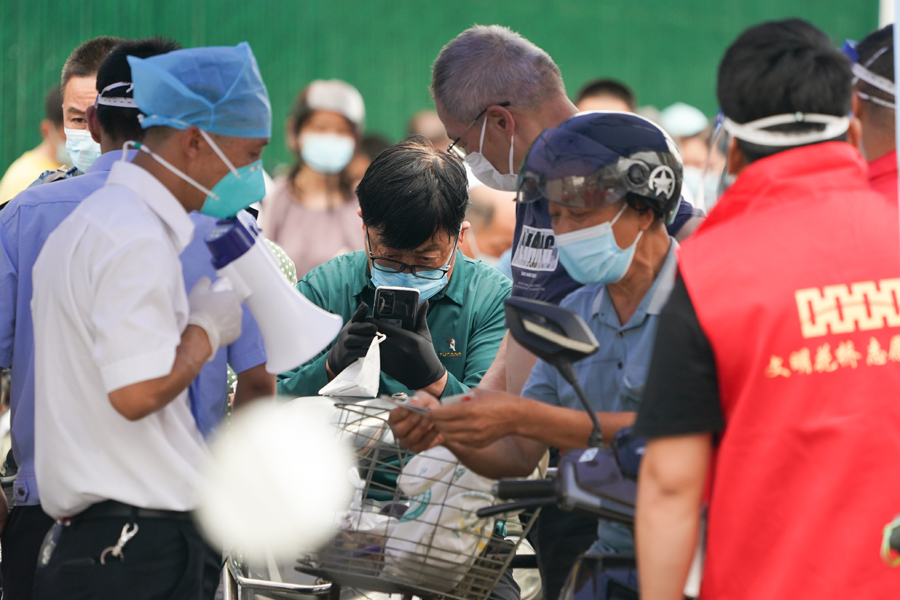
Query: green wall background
x=667 y=50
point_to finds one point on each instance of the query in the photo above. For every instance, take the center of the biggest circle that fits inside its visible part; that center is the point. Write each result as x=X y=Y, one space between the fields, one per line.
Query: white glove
x=218 y=311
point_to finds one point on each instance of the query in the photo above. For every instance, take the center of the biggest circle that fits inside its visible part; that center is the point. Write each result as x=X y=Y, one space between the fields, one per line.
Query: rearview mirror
x=550 y=332
x=557 y=336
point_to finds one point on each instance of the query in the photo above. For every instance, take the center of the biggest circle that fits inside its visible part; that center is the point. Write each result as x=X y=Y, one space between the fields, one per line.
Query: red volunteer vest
x=883 y=175
x=795 y=277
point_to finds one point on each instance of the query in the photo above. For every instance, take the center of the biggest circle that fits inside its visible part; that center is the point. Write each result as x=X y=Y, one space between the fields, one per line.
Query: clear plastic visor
x=571 y=170
x=715 y=170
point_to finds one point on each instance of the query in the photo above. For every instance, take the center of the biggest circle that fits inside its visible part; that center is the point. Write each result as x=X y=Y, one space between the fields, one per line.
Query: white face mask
x=82 y=148
x=327 y=153
x=485 y=171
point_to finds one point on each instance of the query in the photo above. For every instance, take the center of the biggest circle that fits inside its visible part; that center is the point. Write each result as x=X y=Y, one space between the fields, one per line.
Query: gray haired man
x=495 y=92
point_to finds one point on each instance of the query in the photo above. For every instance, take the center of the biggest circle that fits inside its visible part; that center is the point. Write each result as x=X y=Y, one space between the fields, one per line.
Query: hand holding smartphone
x=398 y=306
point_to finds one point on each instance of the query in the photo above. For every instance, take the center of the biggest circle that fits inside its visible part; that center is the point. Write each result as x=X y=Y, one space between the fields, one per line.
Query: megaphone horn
x=293 y=328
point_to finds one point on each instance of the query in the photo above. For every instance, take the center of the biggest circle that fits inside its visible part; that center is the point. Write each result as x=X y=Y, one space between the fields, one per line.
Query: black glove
x=409 y=356
x=352 y=342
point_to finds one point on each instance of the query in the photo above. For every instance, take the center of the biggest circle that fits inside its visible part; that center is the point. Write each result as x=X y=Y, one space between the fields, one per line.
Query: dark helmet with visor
x=598 y=158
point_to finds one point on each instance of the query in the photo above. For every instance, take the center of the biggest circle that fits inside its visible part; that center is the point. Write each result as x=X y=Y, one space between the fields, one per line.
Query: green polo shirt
x=465 y=318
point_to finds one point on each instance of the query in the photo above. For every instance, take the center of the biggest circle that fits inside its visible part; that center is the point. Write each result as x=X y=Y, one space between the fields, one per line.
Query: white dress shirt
x=109 y=308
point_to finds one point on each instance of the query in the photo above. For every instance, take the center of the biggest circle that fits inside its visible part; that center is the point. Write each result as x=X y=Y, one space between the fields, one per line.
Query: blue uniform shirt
x=25 y=224
x=613 y=378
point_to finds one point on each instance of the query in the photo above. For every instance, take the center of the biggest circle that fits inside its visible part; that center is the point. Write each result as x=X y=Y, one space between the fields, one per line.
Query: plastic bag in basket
x=362 y=530
x=439 y=536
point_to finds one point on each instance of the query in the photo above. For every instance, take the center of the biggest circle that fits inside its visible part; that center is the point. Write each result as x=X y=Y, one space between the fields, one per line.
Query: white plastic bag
x=361 y=379
x=439 y=536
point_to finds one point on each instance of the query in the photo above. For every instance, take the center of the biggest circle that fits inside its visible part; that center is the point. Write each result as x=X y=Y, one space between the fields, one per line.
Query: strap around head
x=120 y=101
x=882 y=83
x=754 y=132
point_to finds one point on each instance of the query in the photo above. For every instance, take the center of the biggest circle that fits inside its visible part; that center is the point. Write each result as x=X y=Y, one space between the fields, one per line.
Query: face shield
x=557 y=173
x=715 y=179
x=759 y=133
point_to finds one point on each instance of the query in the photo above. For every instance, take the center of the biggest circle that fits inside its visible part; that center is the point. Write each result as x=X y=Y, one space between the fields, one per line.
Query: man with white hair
x=495 y=92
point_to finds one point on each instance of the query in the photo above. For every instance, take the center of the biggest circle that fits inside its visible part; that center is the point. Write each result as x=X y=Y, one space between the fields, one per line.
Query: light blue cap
x=683 y=120
x=218 y=89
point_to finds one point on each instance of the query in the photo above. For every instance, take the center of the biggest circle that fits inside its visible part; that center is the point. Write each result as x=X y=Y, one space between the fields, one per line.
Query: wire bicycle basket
x=412 y=527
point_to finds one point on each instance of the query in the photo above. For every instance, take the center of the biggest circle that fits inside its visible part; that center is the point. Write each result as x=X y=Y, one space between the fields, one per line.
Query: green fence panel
x=666 y=50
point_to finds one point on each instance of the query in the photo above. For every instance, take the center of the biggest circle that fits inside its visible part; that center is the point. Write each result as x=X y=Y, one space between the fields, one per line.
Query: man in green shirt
x=413 y=202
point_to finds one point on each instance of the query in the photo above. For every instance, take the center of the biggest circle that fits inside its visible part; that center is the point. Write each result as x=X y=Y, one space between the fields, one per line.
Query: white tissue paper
x=361 y=379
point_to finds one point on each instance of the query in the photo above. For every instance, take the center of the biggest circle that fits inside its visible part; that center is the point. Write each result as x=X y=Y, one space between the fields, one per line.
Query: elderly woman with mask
x=312 y=211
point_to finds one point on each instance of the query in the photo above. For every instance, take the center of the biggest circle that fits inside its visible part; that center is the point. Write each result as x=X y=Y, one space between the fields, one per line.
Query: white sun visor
x=754 y=132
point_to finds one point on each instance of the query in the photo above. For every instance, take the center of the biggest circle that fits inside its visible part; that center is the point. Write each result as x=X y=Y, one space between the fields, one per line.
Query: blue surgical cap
x=218 y=89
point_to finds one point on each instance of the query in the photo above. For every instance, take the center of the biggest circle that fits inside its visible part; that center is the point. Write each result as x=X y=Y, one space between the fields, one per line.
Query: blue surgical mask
x=592 y=255
x=236 y=191
x=327 y=153
x=82 y=148
x=427 y=287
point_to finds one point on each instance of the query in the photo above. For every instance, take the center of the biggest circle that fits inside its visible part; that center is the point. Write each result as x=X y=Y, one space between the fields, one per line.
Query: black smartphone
x=397 y=306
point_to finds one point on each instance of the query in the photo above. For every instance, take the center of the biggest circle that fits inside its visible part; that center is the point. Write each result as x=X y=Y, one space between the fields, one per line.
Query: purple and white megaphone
x=293 y=328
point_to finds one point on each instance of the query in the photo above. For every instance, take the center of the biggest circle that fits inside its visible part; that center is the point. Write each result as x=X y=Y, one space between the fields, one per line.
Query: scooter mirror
x=559 y=337
x=551 y=333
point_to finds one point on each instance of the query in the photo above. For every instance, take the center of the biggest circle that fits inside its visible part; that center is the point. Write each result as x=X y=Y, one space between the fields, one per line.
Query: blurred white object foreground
x=277 y=478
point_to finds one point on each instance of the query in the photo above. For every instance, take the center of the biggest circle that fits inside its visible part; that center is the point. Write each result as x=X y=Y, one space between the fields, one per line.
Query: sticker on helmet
x=662 y=181
x=536 y=250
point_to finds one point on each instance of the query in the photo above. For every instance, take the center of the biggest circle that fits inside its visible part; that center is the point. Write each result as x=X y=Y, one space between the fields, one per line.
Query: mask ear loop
x=168 y=165
x=481 y=139
x=221 y=154
x=619 y=214
x=613 y=222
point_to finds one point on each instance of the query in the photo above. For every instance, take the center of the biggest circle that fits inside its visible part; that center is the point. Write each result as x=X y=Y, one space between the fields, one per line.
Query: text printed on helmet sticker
x=536 y=250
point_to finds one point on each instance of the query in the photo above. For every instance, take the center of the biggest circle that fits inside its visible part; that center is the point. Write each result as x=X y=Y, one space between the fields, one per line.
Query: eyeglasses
x=389 y=265
x=453 y=148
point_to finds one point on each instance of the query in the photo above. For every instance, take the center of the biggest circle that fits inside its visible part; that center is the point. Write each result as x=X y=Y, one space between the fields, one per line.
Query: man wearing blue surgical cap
x=118 y=340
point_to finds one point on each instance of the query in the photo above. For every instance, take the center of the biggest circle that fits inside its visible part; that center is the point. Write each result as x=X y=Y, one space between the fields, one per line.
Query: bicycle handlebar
x=517 y=489
x=497 y=509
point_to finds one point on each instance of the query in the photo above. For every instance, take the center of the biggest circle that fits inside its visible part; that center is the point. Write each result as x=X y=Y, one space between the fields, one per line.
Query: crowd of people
x=741 y=278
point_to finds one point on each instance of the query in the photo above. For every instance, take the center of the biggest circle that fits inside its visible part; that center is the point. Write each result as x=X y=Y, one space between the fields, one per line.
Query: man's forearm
x=666 y=537
x=566 y=428
x=253 y=383
x=507 y=457
x=437 y=388
x=495 y=377
x=138 y=400
x=519 y=363
x=670 y=489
